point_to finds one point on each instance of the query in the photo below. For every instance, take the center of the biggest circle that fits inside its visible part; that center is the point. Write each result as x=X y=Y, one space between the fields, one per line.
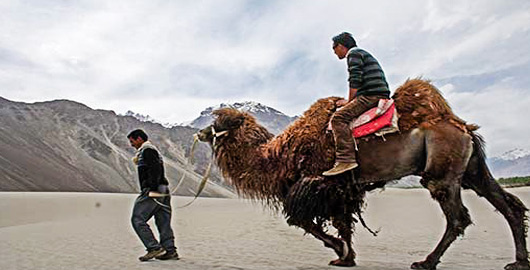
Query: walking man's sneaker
x=151 y=254
x=169 y=255
x=340 y=167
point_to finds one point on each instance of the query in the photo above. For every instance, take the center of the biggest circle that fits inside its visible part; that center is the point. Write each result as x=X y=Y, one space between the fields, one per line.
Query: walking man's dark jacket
x=150 y=168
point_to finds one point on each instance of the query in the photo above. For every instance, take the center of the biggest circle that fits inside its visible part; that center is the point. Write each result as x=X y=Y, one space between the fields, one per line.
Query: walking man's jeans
x=145 y=208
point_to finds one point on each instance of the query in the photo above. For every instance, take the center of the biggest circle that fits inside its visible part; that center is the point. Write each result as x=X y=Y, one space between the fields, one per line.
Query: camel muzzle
x=209 y=134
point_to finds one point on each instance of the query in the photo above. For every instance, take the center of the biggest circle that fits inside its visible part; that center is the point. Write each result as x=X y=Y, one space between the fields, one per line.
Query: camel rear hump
x=420 y=103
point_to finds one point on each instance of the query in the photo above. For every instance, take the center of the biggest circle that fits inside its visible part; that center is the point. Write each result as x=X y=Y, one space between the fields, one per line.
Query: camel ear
x=234 y=122
x=228 y=119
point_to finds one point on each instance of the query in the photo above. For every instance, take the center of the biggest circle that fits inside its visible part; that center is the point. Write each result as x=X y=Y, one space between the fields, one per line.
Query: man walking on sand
x=154 y=200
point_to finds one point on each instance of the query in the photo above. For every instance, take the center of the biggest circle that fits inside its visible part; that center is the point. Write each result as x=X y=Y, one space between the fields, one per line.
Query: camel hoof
x=520 y=265
x=423 y=265
x=343 y=263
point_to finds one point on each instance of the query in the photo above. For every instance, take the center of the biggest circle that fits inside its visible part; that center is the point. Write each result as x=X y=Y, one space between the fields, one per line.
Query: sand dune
x=92 y=231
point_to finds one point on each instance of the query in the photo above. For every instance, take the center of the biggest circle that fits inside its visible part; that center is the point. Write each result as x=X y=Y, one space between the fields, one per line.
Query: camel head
x=230 y=122
x=261 y=166
x=226 y=119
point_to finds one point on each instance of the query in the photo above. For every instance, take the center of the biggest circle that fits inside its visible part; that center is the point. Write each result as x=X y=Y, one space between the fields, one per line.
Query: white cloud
x=500 y=111
x=171 y=59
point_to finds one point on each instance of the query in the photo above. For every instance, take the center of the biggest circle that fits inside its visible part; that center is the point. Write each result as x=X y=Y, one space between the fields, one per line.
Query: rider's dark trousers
x=341 y=120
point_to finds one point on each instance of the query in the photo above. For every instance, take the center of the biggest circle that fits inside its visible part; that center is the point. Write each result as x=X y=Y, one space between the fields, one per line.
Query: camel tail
x=477 y=172
x=478 y=176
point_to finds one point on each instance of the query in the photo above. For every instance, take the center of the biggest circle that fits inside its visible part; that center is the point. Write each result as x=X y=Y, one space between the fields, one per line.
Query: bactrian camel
x=285 y=171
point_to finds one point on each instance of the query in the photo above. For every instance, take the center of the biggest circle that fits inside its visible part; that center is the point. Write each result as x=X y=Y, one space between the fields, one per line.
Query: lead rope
x=161 y=204
x=188 y=163
x=208 y=169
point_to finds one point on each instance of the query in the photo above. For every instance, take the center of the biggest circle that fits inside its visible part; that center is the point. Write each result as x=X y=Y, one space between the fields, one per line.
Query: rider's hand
x=341 y=102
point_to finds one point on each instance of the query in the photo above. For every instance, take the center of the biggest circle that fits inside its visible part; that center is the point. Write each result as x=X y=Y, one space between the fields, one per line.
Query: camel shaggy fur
x=285 y=171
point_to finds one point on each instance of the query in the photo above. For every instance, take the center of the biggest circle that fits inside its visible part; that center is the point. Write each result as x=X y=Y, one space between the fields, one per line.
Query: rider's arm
x=355 y=70
x=351 y=96
x=353 y=92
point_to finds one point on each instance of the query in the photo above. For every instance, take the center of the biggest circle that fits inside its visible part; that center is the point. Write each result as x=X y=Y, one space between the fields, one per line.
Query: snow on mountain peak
x=514 y=154
x=147 y=118
x=246 y=106
x=141 y=117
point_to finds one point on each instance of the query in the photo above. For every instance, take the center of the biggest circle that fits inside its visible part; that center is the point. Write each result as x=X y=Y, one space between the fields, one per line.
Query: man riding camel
x=367 y=86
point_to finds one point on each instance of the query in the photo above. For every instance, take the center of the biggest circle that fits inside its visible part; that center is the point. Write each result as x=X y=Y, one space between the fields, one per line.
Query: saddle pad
x=382 y=106
x=378 y=123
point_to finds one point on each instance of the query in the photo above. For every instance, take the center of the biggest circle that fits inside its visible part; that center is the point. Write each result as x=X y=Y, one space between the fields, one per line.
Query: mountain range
x=63 y=145
x=515 y=162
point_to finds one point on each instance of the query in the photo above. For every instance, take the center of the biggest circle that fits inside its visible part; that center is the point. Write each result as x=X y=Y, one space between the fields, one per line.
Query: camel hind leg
x=456 y=215
x=479 y=179
x=448 y=151
x=513 y=211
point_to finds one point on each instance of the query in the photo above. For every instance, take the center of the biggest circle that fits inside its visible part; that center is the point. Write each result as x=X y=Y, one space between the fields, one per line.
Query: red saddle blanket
x=380 y=120
x=376 y=119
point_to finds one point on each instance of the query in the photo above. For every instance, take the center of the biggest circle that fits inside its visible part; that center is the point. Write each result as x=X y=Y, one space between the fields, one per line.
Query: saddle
x=379 y=120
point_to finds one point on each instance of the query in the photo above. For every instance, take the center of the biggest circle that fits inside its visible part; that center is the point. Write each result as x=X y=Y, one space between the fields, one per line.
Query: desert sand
x=92 y=231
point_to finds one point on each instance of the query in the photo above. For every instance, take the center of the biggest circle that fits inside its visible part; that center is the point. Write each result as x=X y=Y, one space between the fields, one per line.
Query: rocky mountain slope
x=63 y=145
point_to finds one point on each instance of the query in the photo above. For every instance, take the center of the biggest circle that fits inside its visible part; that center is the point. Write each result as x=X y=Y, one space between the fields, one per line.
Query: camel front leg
x=341 y=247
x=344 y=226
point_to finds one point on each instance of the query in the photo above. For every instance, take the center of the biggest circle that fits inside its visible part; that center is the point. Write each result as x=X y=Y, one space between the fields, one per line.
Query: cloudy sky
x=171 y=59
